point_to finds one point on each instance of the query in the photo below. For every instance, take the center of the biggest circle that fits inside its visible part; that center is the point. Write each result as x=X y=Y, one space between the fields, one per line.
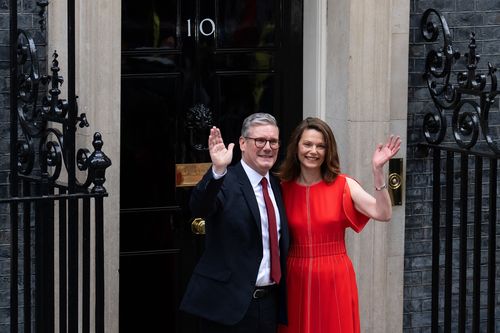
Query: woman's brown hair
x=290 y=167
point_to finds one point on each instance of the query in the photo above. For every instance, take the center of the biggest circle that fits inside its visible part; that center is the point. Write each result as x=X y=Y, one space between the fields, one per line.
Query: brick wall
x=4 y=167
x=463 y=16
x=28 y=19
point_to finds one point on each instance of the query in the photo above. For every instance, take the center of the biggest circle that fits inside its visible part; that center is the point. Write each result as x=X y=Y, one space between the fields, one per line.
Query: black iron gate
x=464 y=184
x=56 y=221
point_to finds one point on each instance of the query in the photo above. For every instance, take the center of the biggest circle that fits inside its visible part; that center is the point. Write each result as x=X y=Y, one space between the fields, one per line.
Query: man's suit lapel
x=248 y=193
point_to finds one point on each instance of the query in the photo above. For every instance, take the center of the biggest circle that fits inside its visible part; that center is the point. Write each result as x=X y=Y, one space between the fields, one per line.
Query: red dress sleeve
x=356 y=219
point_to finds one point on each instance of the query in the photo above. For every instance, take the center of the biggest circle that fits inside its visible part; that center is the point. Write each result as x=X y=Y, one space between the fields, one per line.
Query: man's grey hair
x=256 y=119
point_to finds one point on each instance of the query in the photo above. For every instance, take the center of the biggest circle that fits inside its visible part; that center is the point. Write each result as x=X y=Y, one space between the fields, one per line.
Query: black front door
x=186 y=66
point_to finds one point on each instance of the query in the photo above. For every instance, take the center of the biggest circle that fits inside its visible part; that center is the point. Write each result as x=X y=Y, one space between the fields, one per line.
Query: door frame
x=314 y=58
x=98 y=56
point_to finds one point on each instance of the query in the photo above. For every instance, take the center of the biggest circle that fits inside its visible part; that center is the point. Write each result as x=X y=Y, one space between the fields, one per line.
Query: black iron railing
x=464 y=212
x=55 y=219
x=45 y=215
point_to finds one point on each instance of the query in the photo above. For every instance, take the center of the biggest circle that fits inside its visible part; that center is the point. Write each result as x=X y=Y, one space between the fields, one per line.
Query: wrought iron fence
x=56 y=220
x=465 y=179
x=45 y=211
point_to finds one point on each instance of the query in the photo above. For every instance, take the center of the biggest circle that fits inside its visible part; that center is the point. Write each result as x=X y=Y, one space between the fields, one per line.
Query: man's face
x=260 y=159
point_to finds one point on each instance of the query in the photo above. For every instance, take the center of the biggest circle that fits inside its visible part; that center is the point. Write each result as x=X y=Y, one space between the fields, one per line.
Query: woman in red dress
x=320 y=204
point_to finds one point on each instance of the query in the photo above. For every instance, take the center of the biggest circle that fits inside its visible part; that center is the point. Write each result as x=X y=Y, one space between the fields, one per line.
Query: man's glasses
x=261 y=142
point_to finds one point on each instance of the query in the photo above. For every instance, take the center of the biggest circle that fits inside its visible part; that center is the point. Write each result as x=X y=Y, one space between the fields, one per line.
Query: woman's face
x=311 y=149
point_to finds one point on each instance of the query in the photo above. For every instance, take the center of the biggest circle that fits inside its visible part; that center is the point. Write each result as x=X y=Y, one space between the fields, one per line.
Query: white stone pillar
x=98 y=65
x=365 y=100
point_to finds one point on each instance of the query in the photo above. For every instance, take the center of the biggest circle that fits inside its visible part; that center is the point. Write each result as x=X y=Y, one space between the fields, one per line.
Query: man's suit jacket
x=222 y=283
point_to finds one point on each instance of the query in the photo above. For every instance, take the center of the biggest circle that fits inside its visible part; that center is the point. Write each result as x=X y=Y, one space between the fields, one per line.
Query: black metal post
x=73 y=265
x=462 y=297
x=45 y=258
x=448 y=241
x=14 y=266
x=48 y=207
x=436 y=190
x=492 y=246
x=478 y=192
x=39 y=315
x=99 y=265
x=86 y=267
x=63 y=273
x=27 y=257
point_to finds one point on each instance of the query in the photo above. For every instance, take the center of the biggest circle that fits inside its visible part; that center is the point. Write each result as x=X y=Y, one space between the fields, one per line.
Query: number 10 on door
x=206 y=27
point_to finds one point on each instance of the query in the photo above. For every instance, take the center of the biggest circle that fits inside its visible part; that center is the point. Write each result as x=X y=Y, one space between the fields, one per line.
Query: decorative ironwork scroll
x=43 y=10
x=48 y=122
x=468 y=93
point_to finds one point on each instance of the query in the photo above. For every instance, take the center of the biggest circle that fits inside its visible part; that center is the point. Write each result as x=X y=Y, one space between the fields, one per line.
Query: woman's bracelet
x=381 y=187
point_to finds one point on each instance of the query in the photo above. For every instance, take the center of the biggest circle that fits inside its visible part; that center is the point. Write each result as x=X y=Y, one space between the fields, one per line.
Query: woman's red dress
x=322 y=292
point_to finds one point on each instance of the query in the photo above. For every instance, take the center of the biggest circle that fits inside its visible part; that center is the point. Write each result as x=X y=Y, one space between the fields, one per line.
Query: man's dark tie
x=273 y=234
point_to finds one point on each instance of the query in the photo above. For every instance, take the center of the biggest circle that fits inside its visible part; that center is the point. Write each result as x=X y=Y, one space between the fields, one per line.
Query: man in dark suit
x=239 y=282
